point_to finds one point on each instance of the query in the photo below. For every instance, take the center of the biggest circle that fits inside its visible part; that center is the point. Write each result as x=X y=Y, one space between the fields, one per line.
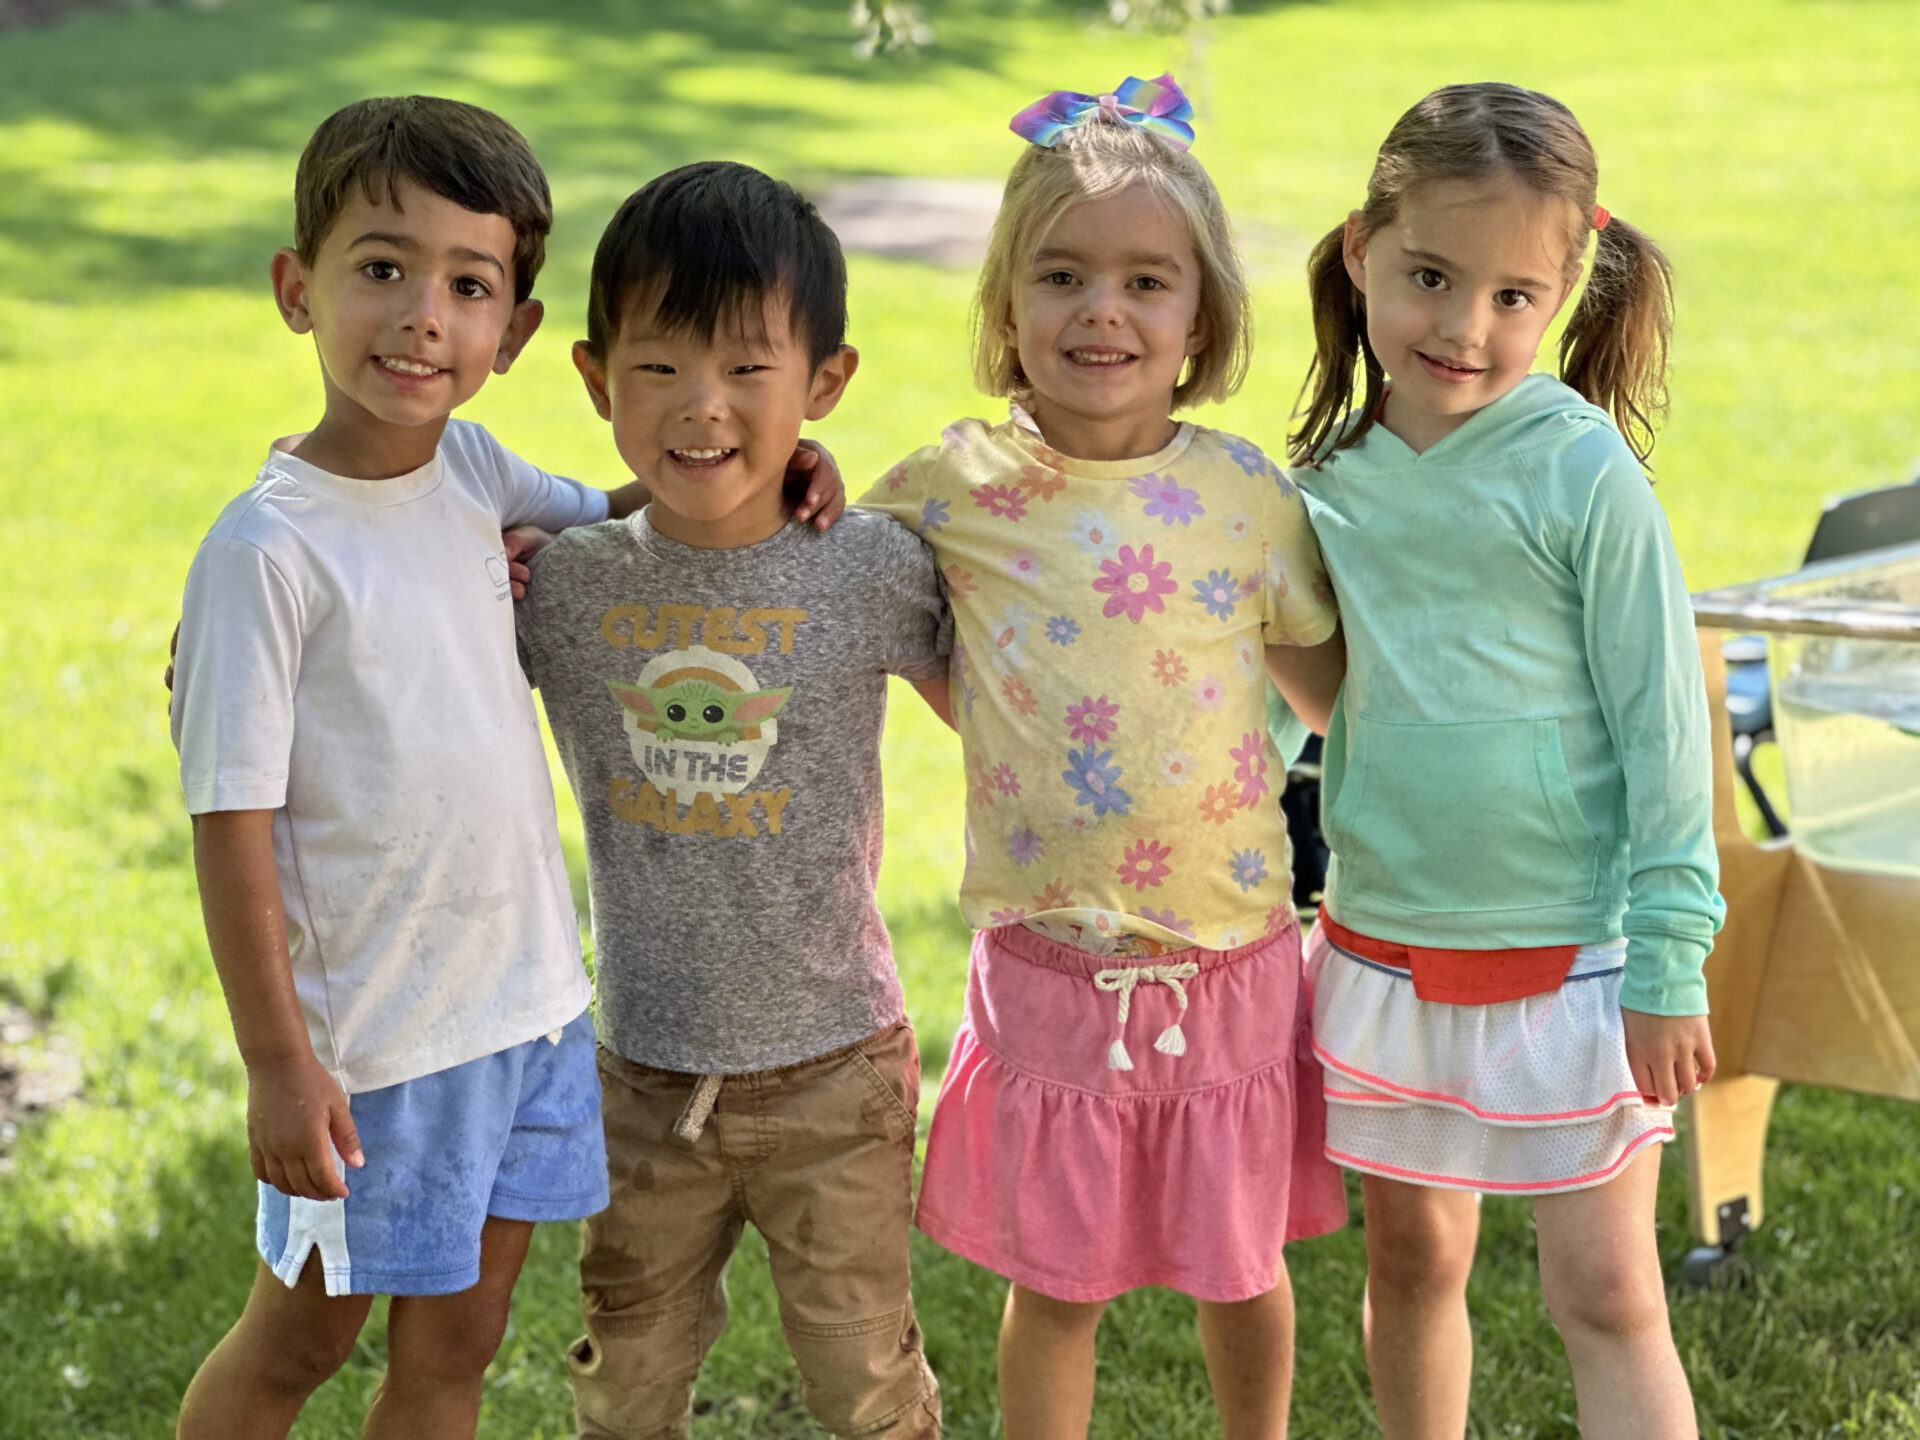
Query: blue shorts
x=514 y=1134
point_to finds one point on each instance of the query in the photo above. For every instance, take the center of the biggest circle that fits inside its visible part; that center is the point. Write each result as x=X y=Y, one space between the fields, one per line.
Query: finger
x=1643 y=1076
x=831 y=513
x=173 y=645
x=167 y=679
x=1704 y=1065
x=259 y=1164
x=346 y=1139
x=1666 y=1084
x=276 y=1174
x=1685 y=1078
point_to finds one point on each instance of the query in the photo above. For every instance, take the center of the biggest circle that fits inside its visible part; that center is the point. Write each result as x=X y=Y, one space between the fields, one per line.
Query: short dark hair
x=713 y=242
x=460 y=152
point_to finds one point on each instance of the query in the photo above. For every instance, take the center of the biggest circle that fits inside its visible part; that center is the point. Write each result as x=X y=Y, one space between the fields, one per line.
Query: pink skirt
x=1083 y=1148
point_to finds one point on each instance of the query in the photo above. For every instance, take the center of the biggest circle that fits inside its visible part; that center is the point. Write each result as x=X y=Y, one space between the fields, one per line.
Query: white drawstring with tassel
x=1173 y=1040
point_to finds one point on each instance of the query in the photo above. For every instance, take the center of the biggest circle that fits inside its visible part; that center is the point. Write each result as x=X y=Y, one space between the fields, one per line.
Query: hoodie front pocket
x=1478 y=815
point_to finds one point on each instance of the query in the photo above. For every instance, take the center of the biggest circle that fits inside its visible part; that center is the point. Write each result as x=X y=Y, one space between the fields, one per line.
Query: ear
x=830 y=382
x=636 y=698
x=527 y=316
x=1353 y=249
x=595 y=374
x=761 y=705
x=1201 y=335
x=289 y=274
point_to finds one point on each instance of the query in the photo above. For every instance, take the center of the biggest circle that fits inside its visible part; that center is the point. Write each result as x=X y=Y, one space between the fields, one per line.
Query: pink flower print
x=1022 y=565
x=1168 y=919
x=1168 y=668
x=1092 y=721
x=896 y=477
x=1133 y=584
x=1018 y=695
x=1167 y=499
x=1040 y=482
x=1002 y=500
x=1008 y=783
x=1008 y=917
x=1208 y=692
x=1250 y=768
x=1249 y=586
x=960 y=583
x=1279 y=917
x=1057 y=896
x=1024 y=846
x=1144 y=864
x=981 y=783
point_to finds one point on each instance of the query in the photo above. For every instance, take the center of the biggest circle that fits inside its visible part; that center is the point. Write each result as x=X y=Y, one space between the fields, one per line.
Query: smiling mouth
x=704 y=459
x=401 y=365
x=1448 y=369
x=1100 y=358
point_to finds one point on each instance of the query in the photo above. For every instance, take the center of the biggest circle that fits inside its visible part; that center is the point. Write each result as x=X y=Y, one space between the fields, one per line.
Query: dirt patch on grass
x=38 y=1072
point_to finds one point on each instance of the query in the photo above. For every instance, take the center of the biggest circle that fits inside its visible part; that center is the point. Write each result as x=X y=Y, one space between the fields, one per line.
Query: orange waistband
x=1462 y=977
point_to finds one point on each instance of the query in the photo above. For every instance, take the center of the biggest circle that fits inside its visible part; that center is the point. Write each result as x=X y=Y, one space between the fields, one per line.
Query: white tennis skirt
x=1529 y=1096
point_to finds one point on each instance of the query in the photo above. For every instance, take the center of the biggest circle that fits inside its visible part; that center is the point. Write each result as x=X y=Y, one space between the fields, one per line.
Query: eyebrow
x=1154 y=258
x=407 y=242
x=1441 y=262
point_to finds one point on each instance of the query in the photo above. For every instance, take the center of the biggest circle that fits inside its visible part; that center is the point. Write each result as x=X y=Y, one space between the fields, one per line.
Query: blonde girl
x=1130 y=1100
x=1507 y=972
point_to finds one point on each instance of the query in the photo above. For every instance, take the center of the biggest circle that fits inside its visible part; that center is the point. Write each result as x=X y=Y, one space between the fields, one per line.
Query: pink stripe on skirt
x=1083 y=1181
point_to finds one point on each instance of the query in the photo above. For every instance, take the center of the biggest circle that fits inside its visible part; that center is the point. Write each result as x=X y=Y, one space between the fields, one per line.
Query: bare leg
x=439 y=1346
x=285 y=1343
x=1601 y=1275
x=1420 y=1244
x=1046 y=1366
x=1249 y=1350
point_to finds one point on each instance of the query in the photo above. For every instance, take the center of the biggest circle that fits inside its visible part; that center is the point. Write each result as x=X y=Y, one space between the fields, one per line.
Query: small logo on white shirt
x=497 y=573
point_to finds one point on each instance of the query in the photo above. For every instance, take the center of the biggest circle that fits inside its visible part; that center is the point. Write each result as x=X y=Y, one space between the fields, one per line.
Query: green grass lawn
x=146 y=158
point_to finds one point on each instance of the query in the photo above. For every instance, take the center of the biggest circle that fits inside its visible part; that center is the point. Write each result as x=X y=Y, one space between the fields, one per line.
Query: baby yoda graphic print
x=700 y=727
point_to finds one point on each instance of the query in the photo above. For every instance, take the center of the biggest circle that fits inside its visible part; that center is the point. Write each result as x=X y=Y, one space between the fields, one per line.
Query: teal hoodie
x=1519 y=756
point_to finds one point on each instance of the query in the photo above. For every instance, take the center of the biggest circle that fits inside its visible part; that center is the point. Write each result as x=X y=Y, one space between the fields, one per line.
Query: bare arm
x=293 y=1105
x=1309 y=678
x=938 y=695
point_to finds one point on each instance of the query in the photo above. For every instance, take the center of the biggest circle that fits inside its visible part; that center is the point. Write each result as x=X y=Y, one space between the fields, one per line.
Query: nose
x=1100 y=303
x=1466 y=320
x=703 y=400
x=422 y=315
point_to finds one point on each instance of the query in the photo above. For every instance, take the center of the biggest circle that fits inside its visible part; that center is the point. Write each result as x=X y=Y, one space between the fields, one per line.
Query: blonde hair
x=1104 y=157
x=1614 y=348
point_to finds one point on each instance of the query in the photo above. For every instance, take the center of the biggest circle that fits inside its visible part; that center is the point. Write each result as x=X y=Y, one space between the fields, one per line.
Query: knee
x=301 y=1360
x=1420 y=1252
x=1605 y=1296
x=454 y=1349
x=867 y=1377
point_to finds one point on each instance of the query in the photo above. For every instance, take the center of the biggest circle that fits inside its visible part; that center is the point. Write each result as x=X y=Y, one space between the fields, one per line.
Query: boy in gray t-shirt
x=715 y=677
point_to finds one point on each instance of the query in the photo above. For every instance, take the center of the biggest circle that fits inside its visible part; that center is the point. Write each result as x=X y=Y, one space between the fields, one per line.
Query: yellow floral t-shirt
x=1109 y=676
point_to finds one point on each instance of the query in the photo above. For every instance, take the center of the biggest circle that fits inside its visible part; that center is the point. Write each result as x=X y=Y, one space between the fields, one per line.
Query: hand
x=1671 y=1056
x=522 y=543
x=826 y=493
x=173 y=653
x=294 y=1109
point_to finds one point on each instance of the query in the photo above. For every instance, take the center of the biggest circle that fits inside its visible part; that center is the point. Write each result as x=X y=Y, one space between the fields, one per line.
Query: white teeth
x=700 y=454
x=407 y=367
x=1098 y=357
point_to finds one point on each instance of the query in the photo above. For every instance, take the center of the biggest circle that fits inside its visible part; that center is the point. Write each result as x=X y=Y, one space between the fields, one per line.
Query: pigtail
x=1325 y=404
x=1614 y=349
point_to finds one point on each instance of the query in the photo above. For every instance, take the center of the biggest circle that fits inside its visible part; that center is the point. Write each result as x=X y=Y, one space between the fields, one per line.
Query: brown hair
x=1614 y=348
x=460 y=152
x=1103 y=157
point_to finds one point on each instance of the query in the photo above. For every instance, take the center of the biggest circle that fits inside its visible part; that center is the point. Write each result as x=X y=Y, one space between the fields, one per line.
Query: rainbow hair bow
x=1153 y=105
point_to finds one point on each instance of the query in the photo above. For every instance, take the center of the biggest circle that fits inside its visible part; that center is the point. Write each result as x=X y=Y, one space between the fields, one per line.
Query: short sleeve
x=904 y=492
x=526 y=494
x=916 y=621
x=233 y=680
x=1297 y=604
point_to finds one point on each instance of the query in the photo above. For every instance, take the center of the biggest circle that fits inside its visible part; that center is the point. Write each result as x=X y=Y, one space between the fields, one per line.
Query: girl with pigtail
x=1506 y=974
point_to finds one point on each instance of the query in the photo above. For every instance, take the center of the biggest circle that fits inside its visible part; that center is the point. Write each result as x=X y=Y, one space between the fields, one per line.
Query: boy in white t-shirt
x=373 y=821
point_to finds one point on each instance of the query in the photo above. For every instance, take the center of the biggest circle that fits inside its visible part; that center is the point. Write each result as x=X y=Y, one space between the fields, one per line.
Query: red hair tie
x=1600 y=217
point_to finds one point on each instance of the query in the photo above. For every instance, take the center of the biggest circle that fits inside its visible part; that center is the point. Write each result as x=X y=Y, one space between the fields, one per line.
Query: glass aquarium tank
x=1845 y=664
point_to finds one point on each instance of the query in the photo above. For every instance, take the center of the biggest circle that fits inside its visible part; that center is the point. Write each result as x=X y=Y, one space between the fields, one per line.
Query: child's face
x=411 y=307
x=1460 y=290
x=1103 y=321
x=708 y=425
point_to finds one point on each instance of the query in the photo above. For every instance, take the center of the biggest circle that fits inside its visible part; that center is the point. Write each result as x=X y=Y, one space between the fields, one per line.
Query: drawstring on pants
x=1173 y=1040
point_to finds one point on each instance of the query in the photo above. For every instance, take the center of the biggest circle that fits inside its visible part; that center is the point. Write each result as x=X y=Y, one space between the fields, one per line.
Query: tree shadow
x=156 y=147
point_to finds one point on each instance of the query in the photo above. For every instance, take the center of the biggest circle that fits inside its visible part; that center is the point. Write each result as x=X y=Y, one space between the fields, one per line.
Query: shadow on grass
x=113 y=109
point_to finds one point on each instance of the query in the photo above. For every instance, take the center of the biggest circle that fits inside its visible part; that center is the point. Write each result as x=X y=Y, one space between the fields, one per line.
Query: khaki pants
x=819 y=1158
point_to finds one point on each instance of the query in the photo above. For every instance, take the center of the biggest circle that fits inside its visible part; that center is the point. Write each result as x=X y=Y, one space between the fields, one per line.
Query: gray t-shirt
x=719 y=715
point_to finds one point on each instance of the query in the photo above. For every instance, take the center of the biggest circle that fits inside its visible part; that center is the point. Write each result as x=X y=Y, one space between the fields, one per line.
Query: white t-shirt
x=347 y=661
